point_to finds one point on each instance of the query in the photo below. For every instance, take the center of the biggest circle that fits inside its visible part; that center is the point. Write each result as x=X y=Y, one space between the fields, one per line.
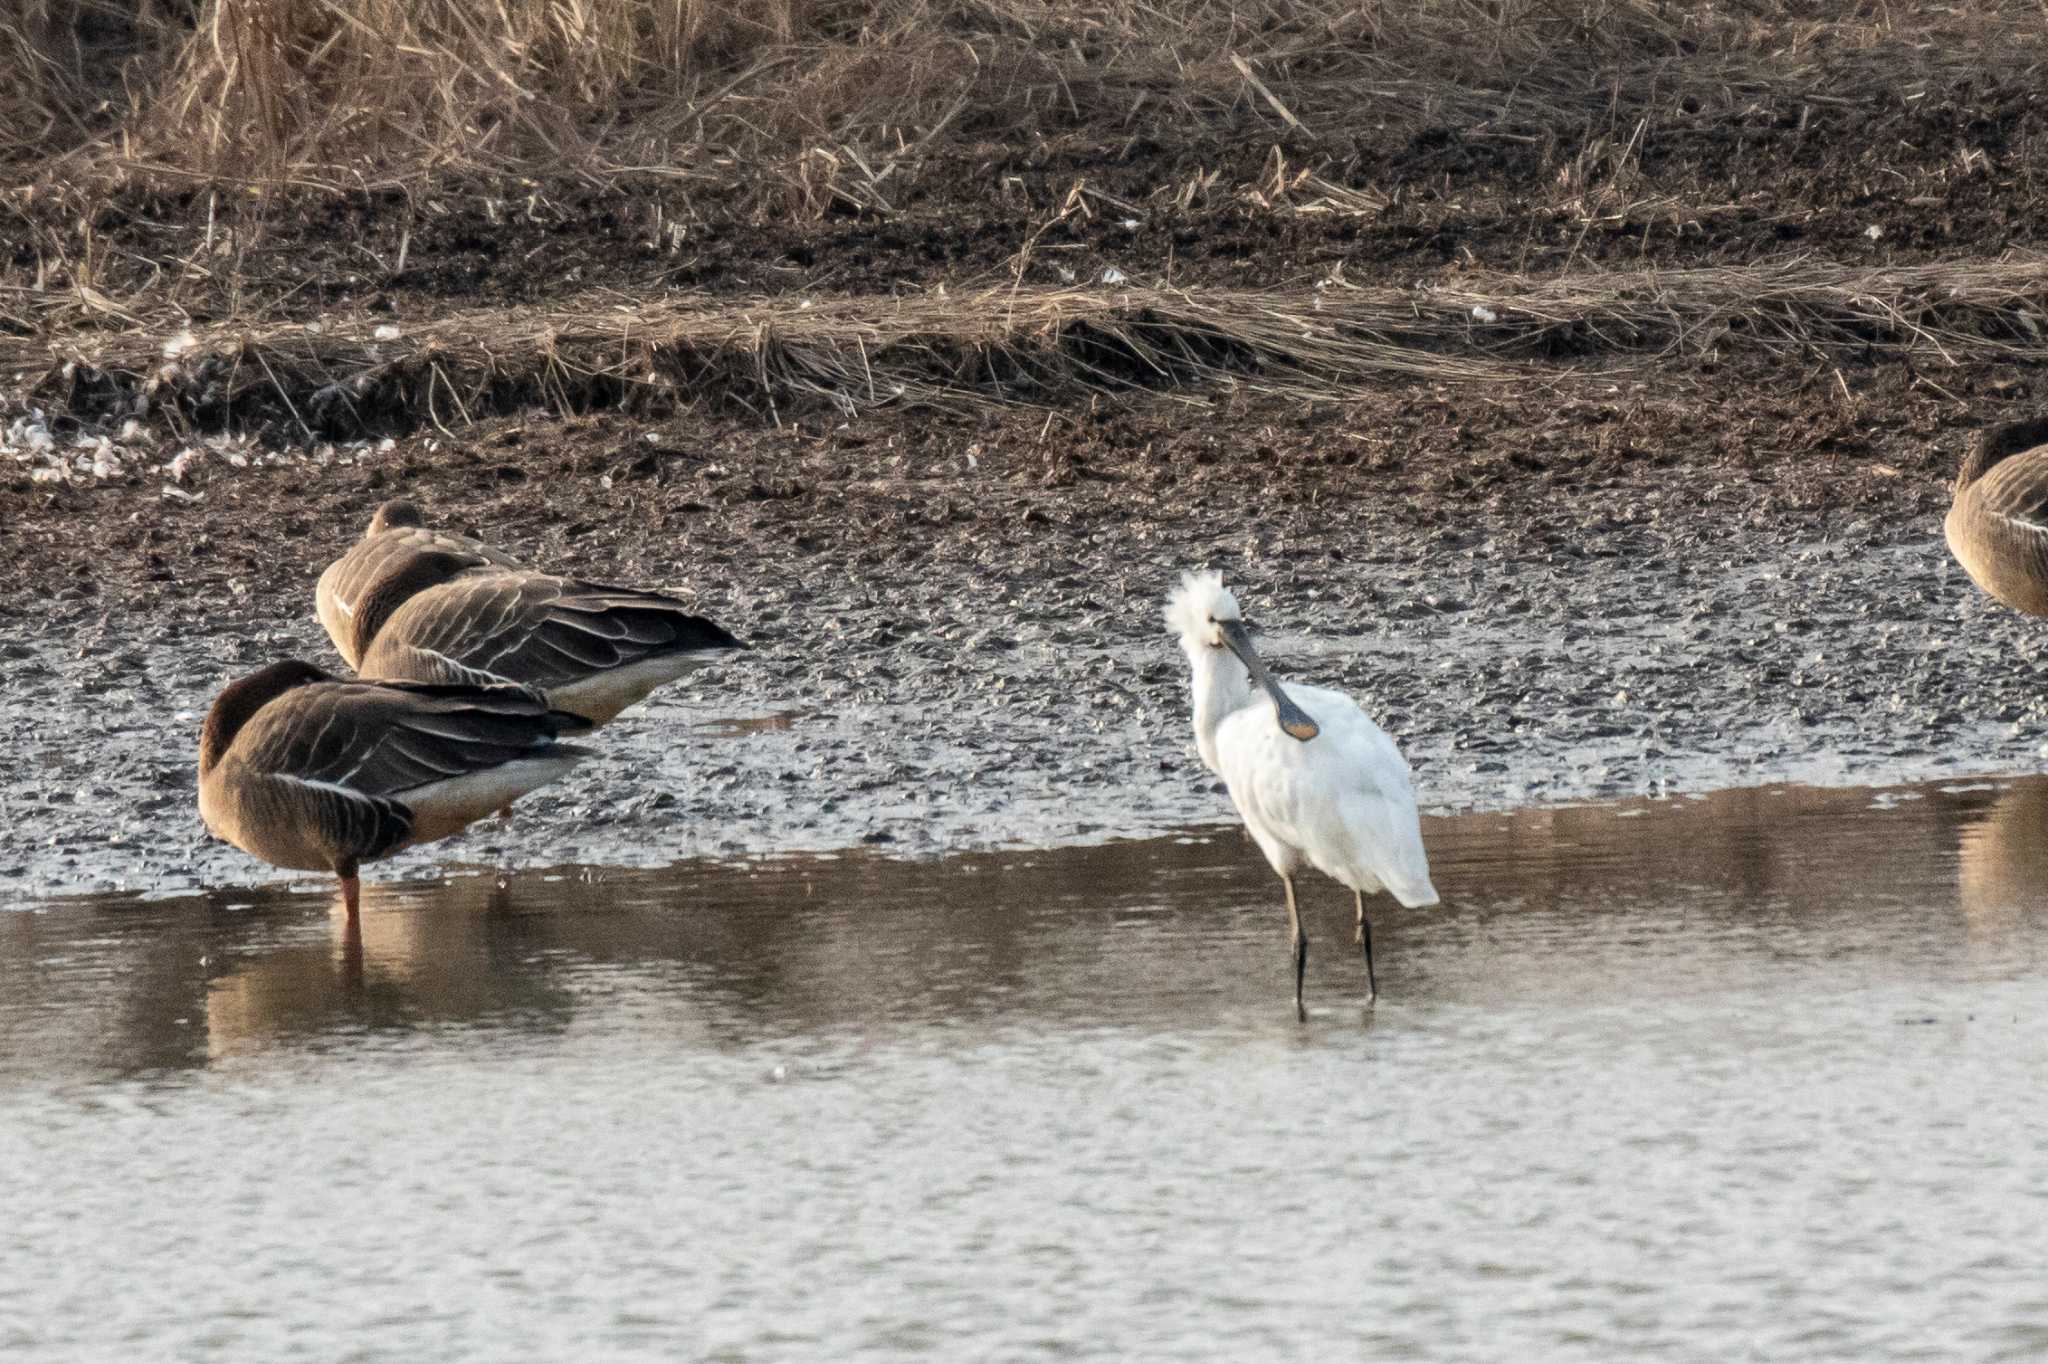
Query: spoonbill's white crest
x=1315 y=779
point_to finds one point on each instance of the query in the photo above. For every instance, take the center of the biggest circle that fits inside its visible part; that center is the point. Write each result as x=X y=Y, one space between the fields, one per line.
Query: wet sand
x=1652 y=554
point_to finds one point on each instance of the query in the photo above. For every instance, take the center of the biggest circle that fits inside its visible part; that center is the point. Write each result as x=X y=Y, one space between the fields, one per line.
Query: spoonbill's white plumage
x=1316 y=781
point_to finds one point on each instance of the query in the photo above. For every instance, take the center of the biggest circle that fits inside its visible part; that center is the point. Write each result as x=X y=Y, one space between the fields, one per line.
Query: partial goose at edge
x=1998 y=526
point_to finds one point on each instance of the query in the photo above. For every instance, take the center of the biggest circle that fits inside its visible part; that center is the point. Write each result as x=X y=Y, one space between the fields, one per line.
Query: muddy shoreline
x=957 y=635
x=1643 y=568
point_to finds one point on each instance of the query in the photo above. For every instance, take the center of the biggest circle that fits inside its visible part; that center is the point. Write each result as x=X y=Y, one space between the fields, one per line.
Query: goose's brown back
x=593 y=647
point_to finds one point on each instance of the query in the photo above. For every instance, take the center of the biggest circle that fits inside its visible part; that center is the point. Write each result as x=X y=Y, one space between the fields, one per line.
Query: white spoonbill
x=1314 y=778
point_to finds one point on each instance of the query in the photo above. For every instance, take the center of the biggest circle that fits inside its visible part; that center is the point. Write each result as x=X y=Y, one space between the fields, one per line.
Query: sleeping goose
x=1998 y=527
x=315 y=773
x=417 y=606
x=398 y=545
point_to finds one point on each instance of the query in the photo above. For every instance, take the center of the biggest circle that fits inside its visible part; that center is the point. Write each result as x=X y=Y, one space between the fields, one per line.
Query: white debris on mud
x=135 y=448
x=28 y=441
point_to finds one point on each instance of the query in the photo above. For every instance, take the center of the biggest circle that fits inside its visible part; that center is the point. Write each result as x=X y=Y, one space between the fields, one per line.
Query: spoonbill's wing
x=1344 y=800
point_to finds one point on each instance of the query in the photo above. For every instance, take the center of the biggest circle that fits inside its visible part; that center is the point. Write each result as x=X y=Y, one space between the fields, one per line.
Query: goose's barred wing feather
x=537 y=629
x=2016 y=491
x=382 y=740
x=356 y=825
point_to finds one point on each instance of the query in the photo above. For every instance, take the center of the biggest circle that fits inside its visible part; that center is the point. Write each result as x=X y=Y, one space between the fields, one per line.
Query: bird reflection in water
x=396 y=965
x=2002 y=871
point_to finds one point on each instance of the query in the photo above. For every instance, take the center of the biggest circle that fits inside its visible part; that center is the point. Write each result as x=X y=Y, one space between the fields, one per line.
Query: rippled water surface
x=1763 y=1075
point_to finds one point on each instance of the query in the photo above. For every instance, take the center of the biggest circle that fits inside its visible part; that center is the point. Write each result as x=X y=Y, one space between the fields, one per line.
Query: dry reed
x=782 y=353
x=348 y=93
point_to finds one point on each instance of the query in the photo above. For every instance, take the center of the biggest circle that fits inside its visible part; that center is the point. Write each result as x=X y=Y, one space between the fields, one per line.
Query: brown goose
x=314 y=773
x=1998 y=527
x=398 y=545
x=431 y=608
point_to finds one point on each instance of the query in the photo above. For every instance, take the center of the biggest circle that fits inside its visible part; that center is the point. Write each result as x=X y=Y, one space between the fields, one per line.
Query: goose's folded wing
x=417 y=556
x=536 y=629
x=346 y=821
x=395 y=659
x=380 y=740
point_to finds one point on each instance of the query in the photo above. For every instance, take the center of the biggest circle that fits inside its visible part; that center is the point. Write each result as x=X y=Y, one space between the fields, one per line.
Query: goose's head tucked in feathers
x=397 y=514
x=1996 y=443
x=1199 y=609
x=237 y=705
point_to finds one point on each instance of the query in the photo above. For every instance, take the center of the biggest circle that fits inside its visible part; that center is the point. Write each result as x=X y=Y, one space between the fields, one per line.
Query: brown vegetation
x=350 y=94
x=377 y=213
x=789 y=353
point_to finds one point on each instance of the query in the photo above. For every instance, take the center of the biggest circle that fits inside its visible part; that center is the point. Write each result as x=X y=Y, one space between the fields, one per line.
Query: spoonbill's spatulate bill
x=1998 y=527
x=315 y=773
x=408 y=604
x=1316 y=781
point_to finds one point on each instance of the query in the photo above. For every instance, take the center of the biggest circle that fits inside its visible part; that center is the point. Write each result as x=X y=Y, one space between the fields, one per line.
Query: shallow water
x=1754 y=1075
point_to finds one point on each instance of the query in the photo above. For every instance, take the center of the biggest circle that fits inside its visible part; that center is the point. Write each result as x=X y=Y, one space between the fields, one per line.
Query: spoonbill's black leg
x=1372 y=989
x=1298 y=940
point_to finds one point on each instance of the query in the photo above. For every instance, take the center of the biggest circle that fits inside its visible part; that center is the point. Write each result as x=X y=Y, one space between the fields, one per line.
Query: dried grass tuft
x=782 y=354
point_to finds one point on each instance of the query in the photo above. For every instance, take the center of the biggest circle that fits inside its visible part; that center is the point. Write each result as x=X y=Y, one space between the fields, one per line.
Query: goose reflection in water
x=1579 y=903
x=2002 y=872
x=394 y=966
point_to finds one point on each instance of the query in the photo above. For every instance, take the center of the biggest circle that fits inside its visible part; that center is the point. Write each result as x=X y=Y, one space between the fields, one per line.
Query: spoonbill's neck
x=1221 y=686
